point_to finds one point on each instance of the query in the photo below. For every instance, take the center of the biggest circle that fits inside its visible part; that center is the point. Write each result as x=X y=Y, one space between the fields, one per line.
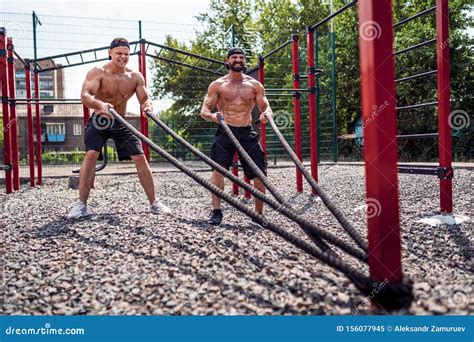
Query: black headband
x=236 y=51
x=119 y=42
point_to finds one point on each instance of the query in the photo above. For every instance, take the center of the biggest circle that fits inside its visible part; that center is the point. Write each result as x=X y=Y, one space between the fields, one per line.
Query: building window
x=48 y=109
x=56 y=132
x=77 y=129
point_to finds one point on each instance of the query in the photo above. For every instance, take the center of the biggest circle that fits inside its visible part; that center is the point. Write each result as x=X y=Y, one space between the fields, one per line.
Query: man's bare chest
x=117 y=85
x=241 y=93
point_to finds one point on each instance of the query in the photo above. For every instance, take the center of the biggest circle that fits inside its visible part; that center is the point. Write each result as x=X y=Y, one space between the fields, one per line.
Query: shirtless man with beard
x=234 y=95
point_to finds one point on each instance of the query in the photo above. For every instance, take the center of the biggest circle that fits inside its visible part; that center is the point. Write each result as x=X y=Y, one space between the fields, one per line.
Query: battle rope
x=392 y=296
x=279 y=207
x=243 y=154
x=324 y=198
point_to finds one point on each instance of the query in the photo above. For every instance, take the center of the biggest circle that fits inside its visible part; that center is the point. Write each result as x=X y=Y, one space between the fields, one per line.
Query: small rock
x=436 y=308
x=423 y=286
x=342 y=297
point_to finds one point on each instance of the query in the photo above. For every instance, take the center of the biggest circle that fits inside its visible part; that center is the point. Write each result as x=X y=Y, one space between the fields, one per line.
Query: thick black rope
x=391 y=298
x=349 y=228
x=280 y=207
x=244 y=155
x=298 y=242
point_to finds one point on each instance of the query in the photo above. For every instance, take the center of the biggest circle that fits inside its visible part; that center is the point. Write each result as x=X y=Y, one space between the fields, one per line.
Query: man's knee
x=258 y=183
x=91 y=156
x=217 y=177
x=139 y=158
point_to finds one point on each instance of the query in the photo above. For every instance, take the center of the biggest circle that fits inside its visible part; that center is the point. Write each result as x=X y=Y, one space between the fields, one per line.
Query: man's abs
x=240 y=119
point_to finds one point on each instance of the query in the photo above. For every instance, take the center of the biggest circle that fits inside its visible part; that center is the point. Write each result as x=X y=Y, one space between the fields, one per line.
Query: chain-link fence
x=62 y=127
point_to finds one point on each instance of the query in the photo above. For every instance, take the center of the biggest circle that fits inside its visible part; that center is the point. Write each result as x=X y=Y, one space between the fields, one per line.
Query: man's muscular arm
x=89 y=89
x=142 y=94
x=262 y=103
x=210 y=102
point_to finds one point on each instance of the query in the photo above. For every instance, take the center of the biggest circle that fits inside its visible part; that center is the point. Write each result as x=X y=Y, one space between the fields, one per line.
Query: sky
x=175 y=11
x=158 y=11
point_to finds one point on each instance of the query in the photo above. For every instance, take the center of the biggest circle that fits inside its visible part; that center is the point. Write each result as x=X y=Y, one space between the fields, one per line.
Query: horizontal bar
x=74 y=53
x=291 y=95
x=423 y=74
x=186 y=53
x=45 y=99
x=415 y=136
x=417 y=170
x=75 y=64
x=277 y=49
x=404 y=21
x=413 y=47
x=5 y=167
x=329 y=17
x=421 y=105
x=24 y=102
x=183 y=64
x=286 y=89
x=25 y=63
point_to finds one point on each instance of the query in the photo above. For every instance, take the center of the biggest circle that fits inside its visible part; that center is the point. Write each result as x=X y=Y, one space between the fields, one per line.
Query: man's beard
x=237 y=68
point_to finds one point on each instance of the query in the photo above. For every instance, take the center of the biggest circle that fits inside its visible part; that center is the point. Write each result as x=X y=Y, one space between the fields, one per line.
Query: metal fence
x=47 y=35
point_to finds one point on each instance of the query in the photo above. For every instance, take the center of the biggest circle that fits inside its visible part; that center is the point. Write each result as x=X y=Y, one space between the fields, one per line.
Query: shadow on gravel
x=62 y=225
x=462 y=241
x=245 y=227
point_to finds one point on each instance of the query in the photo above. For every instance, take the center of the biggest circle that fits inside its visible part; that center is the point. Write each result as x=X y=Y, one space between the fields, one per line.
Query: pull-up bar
x=422 y=13
x=331 y=16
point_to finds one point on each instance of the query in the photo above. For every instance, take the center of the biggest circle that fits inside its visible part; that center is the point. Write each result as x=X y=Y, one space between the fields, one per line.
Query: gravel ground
x=127 y=261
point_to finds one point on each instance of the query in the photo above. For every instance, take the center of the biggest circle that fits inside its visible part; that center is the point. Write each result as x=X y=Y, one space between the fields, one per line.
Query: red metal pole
x=87 y=114
x=31 y=143
x=297 y=108
x=39 y=148
x=263 y=127
x=380 y=146
x=444 y=93
x=5 y=110
x=143 y=118
x=313 y=133
x=13 y=119
x=235 y=171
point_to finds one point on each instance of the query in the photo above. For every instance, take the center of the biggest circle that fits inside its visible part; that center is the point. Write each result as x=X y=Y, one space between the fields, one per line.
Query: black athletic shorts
x=223 y=150
x=100 y=128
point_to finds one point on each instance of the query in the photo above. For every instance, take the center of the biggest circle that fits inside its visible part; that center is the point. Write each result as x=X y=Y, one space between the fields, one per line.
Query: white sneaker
x=79 y=211
x=159 y=208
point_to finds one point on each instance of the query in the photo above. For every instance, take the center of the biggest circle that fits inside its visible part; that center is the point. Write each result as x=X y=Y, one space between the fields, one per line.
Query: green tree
x=260 y=26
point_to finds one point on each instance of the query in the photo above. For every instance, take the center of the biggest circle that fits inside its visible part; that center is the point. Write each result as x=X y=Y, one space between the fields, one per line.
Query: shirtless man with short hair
x=235 y=95
x=111 y=86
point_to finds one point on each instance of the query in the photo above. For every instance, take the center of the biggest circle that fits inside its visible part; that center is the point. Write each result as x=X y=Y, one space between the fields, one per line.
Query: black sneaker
x=256 y=224
x=216 y=217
